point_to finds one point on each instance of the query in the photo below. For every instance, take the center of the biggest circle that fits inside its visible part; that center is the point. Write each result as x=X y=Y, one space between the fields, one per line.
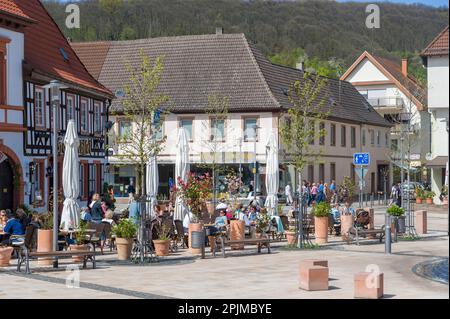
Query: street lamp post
x=55 y=88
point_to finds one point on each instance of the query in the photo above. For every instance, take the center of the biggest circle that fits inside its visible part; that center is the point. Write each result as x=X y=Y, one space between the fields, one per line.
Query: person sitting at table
x=3 y=219
x=348 y=210
x=22 y=217
x=85 y=214
x=96 y=209
x=252 y=214
x=13 y=227
x=336 y=212
x=109 y=218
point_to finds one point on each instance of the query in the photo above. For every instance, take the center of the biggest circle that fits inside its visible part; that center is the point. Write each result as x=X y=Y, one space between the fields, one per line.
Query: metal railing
x=386 y=102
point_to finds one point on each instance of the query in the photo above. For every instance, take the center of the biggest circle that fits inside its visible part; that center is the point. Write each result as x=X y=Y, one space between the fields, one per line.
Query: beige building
x=229 y=65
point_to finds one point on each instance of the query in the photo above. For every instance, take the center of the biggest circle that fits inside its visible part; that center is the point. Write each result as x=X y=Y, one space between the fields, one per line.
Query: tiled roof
x=93 y=55
x=43 y=42
x=439 y=45
x=409 y=82
x=11 y=7
x=227 y=65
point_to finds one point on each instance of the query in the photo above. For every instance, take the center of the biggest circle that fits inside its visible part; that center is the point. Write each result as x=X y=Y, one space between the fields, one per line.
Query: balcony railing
x=395 y=102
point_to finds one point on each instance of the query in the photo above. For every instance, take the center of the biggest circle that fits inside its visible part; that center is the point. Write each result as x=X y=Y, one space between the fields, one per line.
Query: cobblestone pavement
x=245 y=274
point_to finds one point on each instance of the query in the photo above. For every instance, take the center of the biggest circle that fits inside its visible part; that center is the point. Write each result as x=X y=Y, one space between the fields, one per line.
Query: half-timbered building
x=48 y=56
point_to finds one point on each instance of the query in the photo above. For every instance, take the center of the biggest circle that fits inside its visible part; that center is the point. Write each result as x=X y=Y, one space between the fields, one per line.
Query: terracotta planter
x=45 y=244
x=194 y=227
x=418 y=200
x=237 y=232
x=429 y=201
x=346 y=223
x=162 y=247
x=445 y=201
x=291 y=237
x=5 y=256
x=78 y=259
x=124 y=246
x=321 y=229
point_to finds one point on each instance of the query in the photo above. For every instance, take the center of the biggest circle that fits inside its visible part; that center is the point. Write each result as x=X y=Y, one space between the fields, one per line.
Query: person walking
x=288 y=193
x=398 y=200
x=314 y=191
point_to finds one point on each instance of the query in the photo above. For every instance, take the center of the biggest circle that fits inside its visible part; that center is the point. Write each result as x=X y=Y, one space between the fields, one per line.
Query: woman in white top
x=109 y=218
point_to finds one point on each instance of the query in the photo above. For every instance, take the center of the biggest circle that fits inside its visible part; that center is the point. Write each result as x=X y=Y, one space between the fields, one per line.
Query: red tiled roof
x=93 y=55
x=11 y=7
x=439 y=45
x=43 y=41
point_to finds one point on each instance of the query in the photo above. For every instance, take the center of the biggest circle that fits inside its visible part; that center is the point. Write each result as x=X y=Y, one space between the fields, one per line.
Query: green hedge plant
x=125 y=229
x=322 y=209
x=395 y=211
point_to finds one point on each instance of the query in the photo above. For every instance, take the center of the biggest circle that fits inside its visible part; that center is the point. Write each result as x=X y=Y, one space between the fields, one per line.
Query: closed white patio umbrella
x=272 y=174
x=181 y=170
x=152 y=180
x=71 y=179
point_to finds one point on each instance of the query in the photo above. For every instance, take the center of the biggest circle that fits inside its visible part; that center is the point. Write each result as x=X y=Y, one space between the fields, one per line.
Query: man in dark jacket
x=96 y=209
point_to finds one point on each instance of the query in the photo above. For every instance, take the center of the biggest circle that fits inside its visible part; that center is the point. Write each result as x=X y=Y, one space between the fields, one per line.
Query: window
x=92 y=178
x=70 y=107
x=321 y=172
x=39 y=108
x=378 y=139
x=312 y=126
x=386 y=139
x=250 y=129
x=311 y=173
x=332 y=171
x=187 y=124
x=84 y=116
x=217 y=130
x=352 y=172
x=343 y=135
x=322 y=132
x=372 y=137
x=124 y=129
x=38 y=182
x=83 y=191
x=353 y=136
x=364 y=137
x=158 y=131
x=333 y=135
x=97 y=118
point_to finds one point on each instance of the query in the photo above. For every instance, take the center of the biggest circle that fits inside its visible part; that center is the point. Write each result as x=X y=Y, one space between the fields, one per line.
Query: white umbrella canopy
x=71 y=179
x=152 y=180
x=272 y=174
x=181 y=170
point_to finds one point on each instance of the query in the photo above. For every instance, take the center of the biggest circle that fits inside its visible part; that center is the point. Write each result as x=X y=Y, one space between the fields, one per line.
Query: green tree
x=141 y=103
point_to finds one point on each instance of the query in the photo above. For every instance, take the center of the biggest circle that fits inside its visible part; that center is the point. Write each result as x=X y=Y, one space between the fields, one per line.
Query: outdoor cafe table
x=70 y=232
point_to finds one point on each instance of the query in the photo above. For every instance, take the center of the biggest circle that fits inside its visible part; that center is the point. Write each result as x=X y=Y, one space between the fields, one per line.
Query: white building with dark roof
x=229 y=65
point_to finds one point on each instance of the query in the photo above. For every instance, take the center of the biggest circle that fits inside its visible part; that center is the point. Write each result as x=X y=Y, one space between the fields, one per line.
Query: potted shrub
x=162 y=244
x=45 y=237
x=291 y=235
x=262 y=225
x=81 y=241
x=194 y=192
x=420 y=194
x=321 y=214
x=444 y=195
x=5 y=255
x=124 y=231
x=399 y=217
x=429 y=197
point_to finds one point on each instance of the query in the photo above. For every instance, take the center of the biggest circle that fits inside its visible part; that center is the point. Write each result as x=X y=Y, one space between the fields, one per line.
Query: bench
x=24 y=252
x=225 y=242
x=355 y=233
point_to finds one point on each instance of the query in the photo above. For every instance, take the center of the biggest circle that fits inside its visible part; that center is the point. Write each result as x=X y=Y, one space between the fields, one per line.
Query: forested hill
x=322 y=29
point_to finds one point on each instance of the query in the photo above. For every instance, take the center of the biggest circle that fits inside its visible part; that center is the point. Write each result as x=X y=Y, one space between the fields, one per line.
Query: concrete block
x=314 y=278
x=368 y=285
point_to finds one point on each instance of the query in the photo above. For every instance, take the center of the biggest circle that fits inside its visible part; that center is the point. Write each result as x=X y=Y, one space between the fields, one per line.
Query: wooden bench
x=225 y=242
x=355 y=233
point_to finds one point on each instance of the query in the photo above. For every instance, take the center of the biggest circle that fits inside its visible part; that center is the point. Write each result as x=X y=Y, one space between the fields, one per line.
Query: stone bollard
x=421 y=221
x=368 y=285
x=371 y=221
x=313 y=275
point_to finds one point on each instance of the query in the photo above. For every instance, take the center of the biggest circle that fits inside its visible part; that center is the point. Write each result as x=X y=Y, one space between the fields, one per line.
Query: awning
x=438 y=161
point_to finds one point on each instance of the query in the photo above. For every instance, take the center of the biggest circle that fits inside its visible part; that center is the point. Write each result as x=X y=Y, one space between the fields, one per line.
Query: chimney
x=219 y=30
x=405 y=67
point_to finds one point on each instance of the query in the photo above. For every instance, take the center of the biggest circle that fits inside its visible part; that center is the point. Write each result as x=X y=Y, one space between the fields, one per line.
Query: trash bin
x=198 y=239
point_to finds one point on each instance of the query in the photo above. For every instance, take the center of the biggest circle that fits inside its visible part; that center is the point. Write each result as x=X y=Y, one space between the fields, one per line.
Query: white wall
x=366 y=71
x=438 y=82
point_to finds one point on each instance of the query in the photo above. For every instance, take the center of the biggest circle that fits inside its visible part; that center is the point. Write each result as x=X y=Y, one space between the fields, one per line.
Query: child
x=85 y=214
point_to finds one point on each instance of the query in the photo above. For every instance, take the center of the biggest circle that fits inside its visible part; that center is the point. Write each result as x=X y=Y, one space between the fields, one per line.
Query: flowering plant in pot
x=162 y=244
x=420 y=195
x=321 y=214
x=429 y=197
x=444 y=195
x=291 y=236
x=124 y=231
x=399 y=217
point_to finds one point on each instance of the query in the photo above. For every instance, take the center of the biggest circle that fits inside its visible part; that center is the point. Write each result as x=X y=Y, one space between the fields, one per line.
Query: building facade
x=435 y=58
x=36 y=52
x=401 y=100
x=228 y=65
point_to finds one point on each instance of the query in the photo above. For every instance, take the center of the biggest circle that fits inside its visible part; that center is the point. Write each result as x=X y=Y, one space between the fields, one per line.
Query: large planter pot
x=194 y=227
x=418 y=200
x=5 y=256
x=45 y=244
x=429 y=201
x=321 y=230
x=291 y=237
x=346 y=223
x=162 y=247
x=237 y=232
x=402 y=224
x=78 y=259
x=124 y=246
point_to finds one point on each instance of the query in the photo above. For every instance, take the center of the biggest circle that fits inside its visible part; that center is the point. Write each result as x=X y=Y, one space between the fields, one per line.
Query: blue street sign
x=361 y=159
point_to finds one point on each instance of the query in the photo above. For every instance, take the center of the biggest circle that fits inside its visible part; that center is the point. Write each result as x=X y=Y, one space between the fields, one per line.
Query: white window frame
x=37 y=91
x=84 y=105
x=70 y=111
x=97 y=118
